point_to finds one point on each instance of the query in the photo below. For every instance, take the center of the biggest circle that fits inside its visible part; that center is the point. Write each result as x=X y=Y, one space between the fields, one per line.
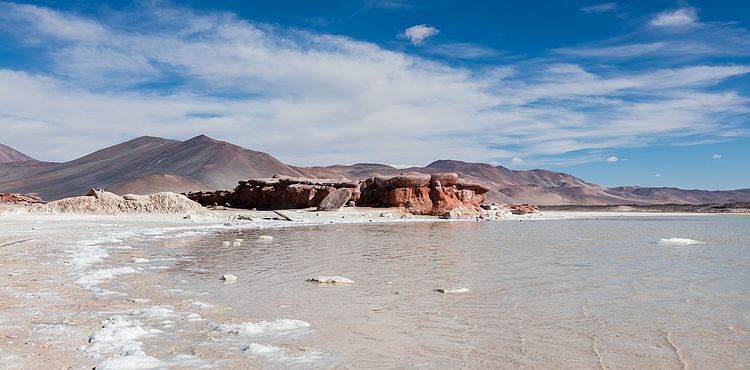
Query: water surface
x=565 y=294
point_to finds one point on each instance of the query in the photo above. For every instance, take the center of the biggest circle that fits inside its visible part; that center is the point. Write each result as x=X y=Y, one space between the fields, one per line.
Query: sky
x=649 y=93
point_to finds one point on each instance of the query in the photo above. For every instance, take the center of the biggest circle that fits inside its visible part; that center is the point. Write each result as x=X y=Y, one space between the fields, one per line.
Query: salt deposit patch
x=453 y=290
x=156 y=312
x=297 y=358
x=281 y=327
x=86 y=255
x=132 y=361
x=331 y=280
x=679 y=241
x=194 y=317
x=200 y=305
x=90 y=280
x=119 y=337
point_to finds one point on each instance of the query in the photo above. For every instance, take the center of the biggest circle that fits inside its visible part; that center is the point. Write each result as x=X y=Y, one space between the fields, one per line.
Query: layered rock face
x=420 y=194
x=278 y=192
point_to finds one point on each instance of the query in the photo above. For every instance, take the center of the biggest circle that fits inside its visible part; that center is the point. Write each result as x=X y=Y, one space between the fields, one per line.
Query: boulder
x=335 y=200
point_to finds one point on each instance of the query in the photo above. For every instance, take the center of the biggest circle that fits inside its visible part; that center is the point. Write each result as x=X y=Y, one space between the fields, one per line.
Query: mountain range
x=151 y=164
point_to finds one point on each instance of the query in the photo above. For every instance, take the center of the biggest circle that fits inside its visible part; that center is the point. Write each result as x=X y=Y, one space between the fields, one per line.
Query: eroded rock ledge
x=20 y=198
x=421 y=194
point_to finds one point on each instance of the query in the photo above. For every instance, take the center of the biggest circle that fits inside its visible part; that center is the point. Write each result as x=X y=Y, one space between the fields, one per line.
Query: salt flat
x=144 y=290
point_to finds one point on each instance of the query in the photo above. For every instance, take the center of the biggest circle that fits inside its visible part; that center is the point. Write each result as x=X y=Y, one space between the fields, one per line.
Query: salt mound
x=281 y=326
x=452 y=290
x=679 y=241
x=331 y=280
x=105 y=203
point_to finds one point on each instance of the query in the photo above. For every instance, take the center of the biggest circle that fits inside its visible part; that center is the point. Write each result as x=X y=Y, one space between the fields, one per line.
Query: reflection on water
x=569 y=294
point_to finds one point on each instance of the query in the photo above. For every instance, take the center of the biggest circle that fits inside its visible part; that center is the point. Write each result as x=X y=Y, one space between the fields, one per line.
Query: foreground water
x=565 y=294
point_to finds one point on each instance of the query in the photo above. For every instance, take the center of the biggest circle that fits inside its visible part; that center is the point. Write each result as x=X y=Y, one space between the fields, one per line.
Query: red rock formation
x=420 y=194
x=20 y=198
x=278 y=192
x=424 y=194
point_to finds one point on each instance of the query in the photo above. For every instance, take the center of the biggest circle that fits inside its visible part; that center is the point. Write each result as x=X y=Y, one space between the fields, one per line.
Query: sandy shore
x=83 y=291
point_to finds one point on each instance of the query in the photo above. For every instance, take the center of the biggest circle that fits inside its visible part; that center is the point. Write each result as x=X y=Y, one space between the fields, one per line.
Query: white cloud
x=516 y=160
x=612 y=158
x=600 y=8
x=419 y=33
x=656 y=175
x=716 y=156
x=676 y=18
x=312 y=98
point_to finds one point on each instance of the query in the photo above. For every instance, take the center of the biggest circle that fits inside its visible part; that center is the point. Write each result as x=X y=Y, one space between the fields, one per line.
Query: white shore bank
x=76 y=293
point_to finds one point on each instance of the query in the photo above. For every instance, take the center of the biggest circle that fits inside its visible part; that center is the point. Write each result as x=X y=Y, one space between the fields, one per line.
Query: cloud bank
x=311 y=98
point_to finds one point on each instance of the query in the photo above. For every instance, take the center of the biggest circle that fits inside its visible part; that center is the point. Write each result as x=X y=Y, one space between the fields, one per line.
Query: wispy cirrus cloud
x=675 y=36
x=464 y=51
x=676 y=18
x=600 y=8
x=176 y=73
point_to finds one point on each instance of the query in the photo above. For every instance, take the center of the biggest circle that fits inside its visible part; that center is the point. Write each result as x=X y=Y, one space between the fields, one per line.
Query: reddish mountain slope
x=8 y=154
x=200 y=161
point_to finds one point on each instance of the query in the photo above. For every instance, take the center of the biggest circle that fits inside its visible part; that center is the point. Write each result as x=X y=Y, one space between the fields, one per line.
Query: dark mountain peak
x=202 y=139
x=8 y=154
x=456 y=165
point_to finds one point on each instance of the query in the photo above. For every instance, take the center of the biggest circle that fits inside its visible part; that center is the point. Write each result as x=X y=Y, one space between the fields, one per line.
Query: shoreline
x=80 y=290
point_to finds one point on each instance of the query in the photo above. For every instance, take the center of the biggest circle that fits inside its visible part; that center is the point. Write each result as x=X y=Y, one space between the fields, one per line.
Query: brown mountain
x=144 y=164
x=541 y=187
x=8 y=154
x=151 y=164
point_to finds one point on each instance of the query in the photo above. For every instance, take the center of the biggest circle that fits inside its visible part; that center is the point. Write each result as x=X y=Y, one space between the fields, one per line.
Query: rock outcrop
x=415 y=193
x=278 y=192
x=420 y=194
x=20 y=198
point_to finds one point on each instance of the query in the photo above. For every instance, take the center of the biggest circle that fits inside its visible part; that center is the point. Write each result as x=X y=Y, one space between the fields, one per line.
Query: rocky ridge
x=415 y=193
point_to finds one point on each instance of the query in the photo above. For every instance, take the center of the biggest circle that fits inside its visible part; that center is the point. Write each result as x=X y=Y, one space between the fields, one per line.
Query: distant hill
x=151 y=164
x=145 y=164
x=8 y=154
x=540 y=186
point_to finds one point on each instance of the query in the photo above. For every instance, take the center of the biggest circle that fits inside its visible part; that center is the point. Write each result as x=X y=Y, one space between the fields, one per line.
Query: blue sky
x=619 y=93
